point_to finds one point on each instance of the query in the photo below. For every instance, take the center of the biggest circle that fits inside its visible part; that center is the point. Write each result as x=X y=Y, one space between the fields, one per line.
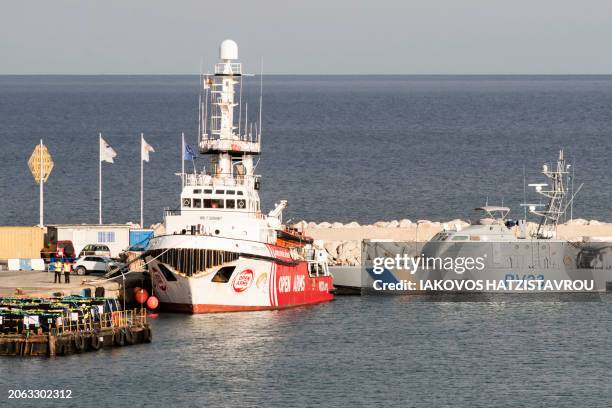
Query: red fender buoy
x=152 y=303
x=141 y=295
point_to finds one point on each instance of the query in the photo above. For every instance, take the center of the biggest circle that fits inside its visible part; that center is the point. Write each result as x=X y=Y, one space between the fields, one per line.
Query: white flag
x=107 y=153
x=145 y=150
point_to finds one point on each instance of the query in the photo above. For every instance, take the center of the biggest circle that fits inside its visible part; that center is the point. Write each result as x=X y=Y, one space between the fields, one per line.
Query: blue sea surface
x=339 y=148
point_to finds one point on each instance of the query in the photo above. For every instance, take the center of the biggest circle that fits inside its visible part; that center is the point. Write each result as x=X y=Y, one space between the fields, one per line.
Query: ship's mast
x=556 y=194
x=231 y=152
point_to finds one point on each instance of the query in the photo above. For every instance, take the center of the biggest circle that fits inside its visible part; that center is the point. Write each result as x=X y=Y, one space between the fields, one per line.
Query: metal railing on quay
x=116 y=319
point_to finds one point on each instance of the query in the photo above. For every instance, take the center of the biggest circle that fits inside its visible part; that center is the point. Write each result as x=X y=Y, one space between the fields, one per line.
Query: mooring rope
x=127 y=273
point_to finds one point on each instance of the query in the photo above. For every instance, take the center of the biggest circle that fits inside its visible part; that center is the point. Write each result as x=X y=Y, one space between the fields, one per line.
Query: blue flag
x=188 y=154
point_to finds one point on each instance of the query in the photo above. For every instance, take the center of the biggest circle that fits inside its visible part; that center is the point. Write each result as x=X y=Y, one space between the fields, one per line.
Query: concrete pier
x=40 y=284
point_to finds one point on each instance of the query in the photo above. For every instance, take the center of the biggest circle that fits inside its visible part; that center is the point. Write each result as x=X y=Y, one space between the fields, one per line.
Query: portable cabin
x=115 y=236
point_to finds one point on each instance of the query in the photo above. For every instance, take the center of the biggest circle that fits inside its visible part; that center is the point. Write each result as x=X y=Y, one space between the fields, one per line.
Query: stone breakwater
x=343 y=241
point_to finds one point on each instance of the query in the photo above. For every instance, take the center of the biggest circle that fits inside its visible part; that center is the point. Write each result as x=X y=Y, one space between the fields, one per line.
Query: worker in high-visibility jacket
x=57 y=268
x=67 y=267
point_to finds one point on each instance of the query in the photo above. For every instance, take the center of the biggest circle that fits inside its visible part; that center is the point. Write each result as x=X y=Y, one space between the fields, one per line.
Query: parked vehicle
x=87 y=264
x=58 y=249
x=95 y=249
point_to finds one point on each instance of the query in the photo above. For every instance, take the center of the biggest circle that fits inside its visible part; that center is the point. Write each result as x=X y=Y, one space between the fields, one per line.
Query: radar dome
x=228 y=50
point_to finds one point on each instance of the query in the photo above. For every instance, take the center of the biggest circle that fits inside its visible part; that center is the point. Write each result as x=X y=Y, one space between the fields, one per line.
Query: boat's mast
x=224 y=141
x=554 y=210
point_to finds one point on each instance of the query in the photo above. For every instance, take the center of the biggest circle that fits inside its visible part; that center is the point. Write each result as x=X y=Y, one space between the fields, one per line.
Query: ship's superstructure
x=220 y=252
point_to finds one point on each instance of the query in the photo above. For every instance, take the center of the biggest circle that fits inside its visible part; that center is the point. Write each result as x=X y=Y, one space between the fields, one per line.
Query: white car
x=95 y=249
x=91 y=263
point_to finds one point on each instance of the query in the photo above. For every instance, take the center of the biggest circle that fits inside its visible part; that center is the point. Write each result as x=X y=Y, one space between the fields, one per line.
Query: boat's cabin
x=219 y=198
x=490 y=215
x=490 y=224
x=224 y=207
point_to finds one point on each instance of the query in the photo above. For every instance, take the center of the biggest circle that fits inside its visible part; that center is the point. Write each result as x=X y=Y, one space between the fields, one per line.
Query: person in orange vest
x=67 y=266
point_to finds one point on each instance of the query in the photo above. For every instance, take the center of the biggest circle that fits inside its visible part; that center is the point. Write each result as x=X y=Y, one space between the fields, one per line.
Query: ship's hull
x=527 y=266
x=519 y=266
x=248 y=276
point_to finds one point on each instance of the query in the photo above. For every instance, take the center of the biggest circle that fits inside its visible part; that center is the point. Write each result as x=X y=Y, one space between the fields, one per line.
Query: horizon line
x=301 y=74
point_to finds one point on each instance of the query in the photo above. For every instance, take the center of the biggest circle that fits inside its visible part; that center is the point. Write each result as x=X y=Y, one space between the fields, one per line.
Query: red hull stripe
x=203 y=308
x=271 y=284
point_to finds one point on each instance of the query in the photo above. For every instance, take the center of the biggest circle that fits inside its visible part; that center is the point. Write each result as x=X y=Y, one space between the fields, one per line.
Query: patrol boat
x=220 y=253
x=519 y=258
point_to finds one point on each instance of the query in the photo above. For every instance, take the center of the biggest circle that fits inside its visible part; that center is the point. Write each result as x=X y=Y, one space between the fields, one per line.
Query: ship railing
x=228 y=68
x=230 y=145
x=220 y=180
x=171 y=211
x=120 y=318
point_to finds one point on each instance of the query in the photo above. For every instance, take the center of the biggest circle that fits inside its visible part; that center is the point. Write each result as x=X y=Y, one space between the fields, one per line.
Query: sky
x=308 y=37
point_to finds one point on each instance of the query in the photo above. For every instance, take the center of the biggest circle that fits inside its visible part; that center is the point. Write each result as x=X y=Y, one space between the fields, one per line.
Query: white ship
x=220 y=252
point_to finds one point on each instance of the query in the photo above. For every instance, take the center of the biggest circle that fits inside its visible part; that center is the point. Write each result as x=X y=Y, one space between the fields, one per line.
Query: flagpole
x=141 y=181
x=182 y=160
x=41 y=204
x=100 y=174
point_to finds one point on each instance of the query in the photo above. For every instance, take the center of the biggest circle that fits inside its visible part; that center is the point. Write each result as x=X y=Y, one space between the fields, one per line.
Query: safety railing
x=221 y=180
x=69 y=324
x=231 y=145
x=228 y=68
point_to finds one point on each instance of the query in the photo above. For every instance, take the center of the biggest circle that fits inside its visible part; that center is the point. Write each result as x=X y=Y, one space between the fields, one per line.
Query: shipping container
x=139 y=238
x=115 y=236
x=21 y=242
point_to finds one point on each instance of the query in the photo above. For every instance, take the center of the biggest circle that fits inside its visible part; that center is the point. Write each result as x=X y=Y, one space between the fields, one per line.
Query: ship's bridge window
x=213 y=203
x=230 y=192
x=219 y=191
x=207 y=191
x=230 y=203
x=197 y=191
x=197 y=203
x=239 y=192
x=241 y=203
